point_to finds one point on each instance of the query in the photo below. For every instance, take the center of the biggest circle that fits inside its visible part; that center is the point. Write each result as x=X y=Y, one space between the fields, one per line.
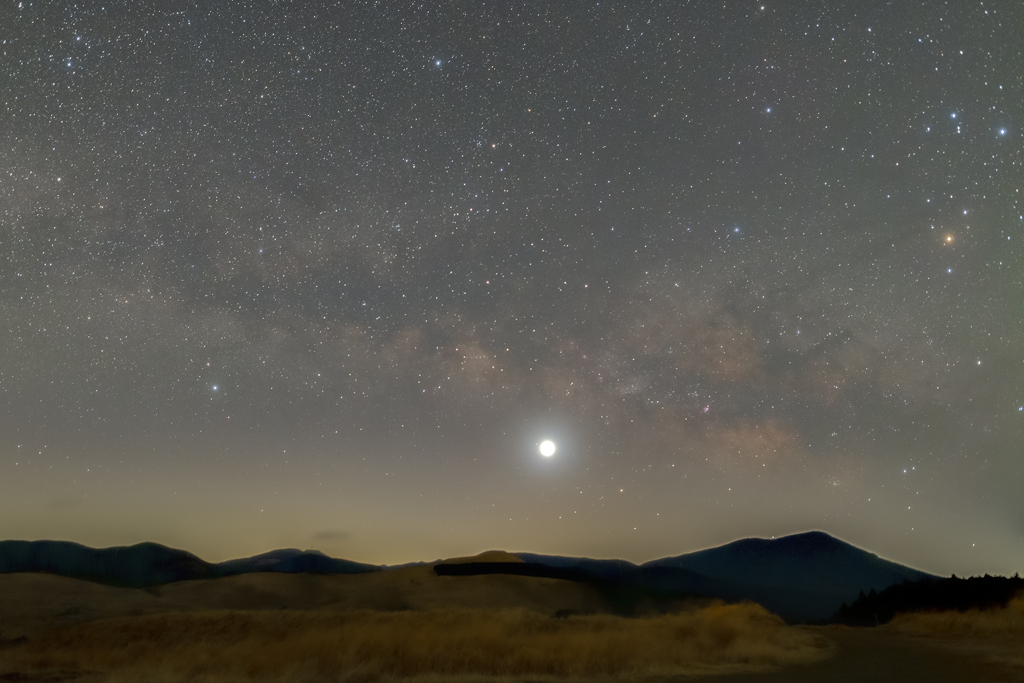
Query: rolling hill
x=150 y=564
x=135 y=566
x=803 y=577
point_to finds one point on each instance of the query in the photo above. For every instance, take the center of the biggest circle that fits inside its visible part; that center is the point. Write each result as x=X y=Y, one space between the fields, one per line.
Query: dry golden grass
x=371 y=645
x=32 y=603
x=995 y=633
x=1001 y=622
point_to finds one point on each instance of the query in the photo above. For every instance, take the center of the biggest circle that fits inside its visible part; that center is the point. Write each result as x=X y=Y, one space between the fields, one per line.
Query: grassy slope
x=995 y=634
x=407 y=622
x=362 y=644
x=29 y=602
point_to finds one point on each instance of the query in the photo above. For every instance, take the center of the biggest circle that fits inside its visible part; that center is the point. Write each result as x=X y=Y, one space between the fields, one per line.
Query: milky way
x=325 y=275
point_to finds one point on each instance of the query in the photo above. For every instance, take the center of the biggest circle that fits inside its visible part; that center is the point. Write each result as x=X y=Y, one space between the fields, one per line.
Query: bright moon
x=547 y=448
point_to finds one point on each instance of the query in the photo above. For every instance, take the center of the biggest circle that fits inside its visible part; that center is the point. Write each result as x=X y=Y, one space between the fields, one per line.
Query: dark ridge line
x=541 y=571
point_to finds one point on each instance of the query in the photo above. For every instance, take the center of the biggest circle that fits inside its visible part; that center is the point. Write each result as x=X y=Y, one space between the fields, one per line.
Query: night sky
x=300 y=274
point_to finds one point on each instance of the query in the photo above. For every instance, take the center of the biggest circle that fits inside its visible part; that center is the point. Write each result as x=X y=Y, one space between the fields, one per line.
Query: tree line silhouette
x=976 y=592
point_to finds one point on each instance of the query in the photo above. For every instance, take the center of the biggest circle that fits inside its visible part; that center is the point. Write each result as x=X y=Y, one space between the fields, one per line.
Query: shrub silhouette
x=930 y=594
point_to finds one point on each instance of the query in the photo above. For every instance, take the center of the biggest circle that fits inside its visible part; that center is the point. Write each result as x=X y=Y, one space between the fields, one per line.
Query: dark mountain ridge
x=813 y=560
x=150 y=564
x=295 y=561
x=136 y=566
x=803 y=577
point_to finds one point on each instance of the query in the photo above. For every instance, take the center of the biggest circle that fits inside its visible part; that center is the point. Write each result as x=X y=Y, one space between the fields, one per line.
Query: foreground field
x=929 y=647
x=410 y=624
x=33 y=603
x=371 y=645
x=995 y=636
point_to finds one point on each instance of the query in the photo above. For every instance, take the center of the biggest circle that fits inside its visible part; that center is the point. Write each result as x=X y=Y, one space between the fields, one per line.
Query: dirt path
x=882 y=657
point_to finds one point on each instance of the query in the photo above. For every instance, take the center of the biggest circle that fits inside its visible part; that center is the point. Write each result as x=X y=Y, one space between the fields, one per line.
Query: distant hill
x=294 y=561
x=135 y=566
x=801 y=577
x=151 y=564
x=812 y=561
x=804 y=577
x=488 y=556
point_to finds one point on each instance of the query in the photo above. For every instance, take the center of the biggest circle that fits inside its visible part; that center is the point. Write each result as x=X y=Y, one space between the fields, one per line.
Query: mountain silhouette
x=803 y=577
x=134 y=566
x=294 y=561
x=151 y=564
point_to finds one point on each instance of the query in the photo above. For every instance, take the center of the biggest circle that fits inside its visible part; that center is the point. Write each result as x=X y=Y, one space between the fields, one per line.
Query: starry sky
x=324 y=275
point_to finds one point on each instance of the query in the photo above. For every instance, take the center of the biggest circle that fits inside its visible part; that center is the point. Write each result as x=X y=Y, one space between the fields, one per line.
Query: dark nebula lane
x=282 y=274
